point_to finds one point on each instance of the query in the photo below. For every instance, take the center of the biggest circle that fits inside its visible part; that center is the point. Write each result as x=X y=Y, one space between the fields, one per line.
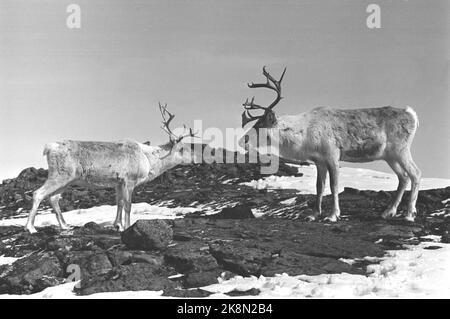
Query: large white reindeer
x=123 y=165
x=327 y=135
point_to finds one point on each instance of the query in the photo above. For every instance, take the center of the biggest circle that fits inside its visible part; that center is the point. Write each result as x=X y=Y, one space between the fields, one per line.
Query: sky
x=103 y=81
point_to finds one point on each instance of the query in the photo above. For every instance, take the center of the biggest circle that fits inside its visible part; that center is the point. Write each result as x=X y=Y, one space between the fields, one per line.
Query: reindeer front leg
x=333 y=169
x=119 y=202
x=128 y=192
x=320 y=187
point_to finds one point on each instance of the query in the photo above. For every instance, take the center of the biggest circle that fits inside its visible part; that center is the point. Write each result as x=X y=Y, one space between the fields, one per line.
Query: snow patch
x=65 y=291
x=359 y=178
x=412 y=273
x=7 y=260
x=289 y=201
x=103 y=215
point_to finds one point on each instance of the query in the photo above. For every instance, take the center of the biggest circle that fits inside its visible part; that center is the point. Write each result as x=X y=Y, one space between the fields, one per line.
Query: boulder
x=190 y=257
x=148 y=235
x=201 y=279
x=32 y=274
x=90 y=263
x=135 y=277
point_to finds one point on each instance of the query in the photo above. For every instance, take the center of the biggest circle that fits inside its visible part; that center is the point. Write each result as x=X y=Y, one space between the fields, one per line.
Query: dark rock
x=200 y=279
x=10 y=230
x=181 y=236
x=236 y=212
x=445 y=238
x=432 y=247
x=294 y=263
x=153 y=234
x=70 y=243
x=32 y=274
x=141 y=257
x=28 y=174
x=186 y=293
x=134 y=277
x=238 y=293
x=90 y=228
x=190 y=257
x=351 y=191
x=107 y=241
x=120 y=257
x=239 y=259
x=90 y=263
x=23 y=244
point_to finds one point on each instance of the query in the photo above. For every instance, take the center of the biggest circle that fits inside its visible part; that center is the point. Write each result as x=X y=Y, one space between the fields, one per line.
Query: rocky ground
x=179 y=256
x=213 y=184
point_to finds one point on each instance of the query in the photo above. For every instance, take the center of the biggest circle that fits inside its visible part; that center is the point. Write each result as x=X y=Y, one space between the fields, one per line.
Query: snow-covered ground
x=103 y=215
x=360 y=178
x=412 y=273
x=7 y=260
x=415 y=272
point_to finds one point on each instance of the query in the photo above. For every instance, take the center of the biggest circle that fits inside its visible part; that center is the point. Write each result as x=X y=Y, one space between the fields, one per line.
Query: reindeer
x=123 y=165
x=326 y=136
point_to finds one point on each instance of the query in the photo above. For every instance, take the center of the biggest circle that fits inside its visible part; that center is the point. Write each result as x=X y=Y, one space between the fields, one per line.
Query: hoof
x=310 y=218
x=119 y=227
x=31 y=230
x=331 y=219
x=388 y=213
x=65 y=227
x=409 y=218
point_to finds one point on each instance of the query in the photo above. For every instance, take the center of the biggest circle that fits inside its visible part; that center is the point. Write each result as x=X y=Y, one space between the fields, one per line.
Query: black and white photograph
x=242 y=151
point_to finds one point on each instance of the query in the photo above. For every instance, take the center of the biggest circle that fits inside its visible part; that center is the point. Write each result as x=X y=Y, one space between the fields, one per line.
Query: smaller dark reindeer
x=326 y=136
x=123 y=165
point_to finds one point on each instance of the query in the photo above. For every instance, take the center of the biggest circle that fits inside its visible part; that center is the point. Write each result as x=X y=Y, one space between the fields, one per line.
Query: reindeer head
x=268 y=118
x=177 y=152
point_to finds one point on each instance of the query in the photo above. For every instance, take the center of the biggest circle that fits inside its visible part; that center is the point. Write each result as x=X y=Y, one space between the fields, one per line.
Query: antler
x=166 y=121
x=191 y=134
x=167 y=118
x=272 y=84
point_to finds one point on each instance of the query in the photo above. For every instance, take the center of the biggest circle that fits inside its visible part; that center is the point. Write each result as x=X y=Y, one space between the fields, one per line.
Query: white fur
x=411 y=111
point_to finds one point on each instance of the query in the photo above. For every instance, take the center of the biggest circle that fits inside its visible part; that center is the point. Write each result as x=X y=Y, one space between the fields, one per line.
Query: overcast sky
x=103 y=81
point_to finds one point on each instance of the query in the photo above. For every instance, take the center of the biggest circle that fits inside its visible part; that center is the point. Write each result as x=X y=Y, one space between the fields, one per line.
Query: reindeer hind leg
x=402 y=182
x=415 y=175
x=320 y=187
x=333 y=169
x=51 y=186
x=54 y=201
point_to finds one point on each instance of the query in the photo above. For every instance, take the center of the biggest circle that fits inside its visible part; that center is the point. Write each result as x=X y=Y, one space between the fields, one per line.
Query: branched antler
x=272 y=84
x=190 y=134
x=167 y=118
x=252 y=106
